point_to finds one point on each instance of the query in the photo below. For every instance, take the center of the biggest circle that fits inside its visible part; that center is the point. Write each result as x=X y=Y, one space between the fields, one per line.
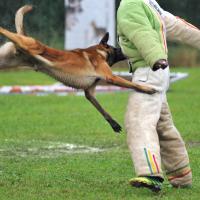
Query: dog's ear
x=105 y=38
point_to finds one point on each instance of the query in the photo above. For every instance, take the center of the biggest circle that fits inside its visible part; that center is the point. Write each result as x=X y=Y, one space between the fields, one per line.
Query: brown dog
x=79 y=68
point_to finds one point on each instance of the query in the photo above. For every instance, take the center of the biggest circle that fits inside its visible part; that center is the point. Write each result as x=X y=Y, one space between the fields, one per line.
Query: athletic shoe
x=152 y=183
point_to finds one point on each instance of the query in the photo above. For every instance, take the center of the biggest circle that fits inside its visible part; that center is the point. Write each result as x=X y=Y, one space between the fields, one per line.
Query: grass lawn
x=35 y=162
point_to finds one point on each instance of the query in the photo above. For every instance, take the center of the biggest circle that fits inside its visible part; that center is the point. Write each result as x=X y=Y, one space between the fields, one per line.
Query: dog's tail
x=19 y=17
x=28 y=45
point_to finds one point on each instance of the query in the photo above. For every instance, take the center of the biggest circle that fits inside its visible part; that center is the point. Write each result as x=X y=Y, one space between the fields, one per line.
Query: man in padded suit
x=143 y=27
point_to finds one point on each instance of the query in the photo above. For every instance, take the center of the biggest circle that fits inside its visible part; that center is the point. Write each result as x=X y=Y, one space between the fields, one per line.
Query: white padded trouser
x=151 y=135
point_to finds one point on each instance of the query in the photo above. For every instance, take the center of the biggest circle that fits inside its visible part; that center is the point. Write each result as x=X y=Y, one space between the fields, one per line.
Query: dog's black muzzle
x=115 y=56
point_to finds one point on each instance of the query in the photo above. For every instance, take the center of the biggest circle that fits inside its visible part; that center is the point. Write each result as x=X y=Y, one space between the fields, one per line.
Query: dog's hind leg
x=89 y=94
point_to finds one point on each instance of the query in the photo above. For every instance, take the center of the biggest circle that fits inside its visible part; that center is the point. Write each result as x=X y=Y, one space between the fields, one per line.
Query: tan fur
x=80 y=68
x=19 y=18
x=9 y=55
x=103 y=53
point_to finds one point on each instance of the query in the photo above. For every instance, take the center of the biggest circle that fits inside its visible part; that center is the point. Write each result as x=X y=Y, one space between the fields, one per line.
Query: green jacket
x=141 y=32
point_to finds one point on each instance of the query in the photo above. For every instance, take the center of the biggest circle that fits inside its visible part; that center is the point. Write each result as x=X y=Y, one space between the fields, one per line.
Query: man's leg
x=143 y=113
x=173 y=151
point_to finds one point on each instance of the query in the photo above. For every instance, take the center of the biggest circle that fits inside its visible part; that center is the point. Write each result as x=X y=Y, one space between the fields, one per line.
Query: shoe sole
x=153 y=188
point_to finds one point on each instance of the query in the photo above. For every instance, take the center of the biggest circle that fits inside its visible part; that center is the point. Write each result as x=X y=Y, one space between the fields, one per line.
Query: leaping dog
x=79 y=68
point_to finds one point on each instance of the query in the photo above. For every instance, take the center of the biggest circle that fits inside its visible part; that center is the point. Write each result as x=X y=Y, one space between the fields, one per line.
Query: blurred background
x=49 y=19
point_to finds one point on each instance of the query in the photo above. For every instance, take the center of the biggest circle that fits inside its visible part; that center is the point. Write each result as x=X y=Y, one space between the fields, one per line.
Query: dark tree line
x=45 y=22
x=186 y=9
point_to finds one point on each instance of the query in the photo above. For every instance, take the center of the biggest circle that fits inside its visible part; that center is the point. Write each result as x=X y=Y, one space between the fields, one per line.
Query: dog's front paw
x=148 y=90
x=152 y=91
x=115 y=126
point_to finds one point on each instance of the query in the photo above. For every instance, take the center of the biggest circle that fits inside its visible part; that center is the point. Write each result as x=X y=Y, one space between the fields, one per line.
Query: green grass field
x=36 y=163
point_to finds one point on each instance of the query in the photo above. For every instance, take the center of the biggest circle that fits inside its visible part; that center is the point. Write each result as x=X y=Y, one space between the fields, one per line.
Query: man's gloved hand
x=160 y=64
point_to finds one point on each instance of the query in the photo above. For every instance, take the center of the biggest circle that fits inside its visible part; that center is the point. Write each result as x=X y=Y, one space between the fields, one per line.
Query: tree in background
x=186 y=9
x=45 y=22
